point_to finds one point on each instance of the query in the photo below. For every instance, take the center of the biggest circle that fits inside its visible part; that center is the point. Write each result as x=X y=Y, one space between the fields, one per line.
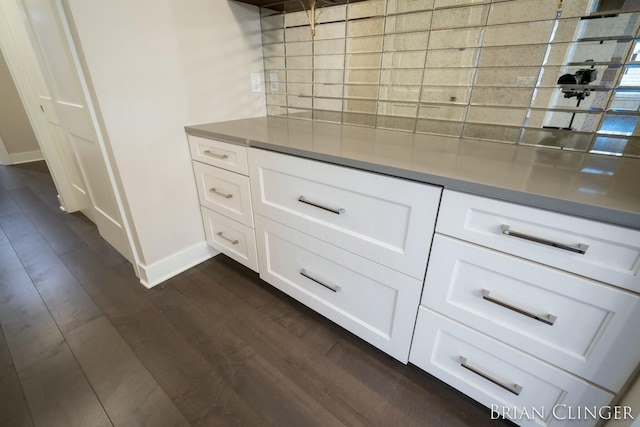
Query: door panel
x=69 y=99
x=79 y=201
x=51 y=38
x=102 y=196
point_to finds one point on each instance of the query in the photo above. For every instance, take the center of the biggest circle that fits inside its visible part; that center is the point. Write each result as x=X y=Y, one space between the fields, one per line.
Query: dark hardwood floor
x=83 y=343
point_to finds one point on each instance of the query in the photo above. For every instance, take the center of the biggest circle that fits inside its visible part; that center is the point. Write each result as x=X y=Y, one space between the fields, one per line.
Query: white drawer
x=374 y=302
x=224 y=192
x=612 y=255
x=562 y=318
x=221 y=154
x=500 y=377
x=235 y=240
x=385 y=219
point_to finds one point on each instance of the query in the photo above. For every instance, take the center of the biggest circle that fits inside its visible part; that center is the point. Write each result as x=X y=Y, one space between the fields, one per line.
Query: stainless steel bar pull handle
x=225 y=195
x=232 y=241
x=513 y=388
x=317 y=205
x=331 y=287
x=215 y=155
x=580 y=248
x=548 y=319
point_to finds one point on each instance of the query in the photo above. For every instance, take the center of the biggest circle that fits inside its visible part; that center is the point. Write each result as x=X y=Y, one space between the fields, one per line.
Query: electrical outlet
x=273 y=77
x=255 y=83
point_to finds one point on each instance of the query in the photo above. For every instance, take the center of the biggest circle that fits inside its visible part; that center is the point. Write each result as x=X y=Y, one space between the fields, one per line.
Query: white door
x=79 y=199
x=17 y=47
x=70 y=110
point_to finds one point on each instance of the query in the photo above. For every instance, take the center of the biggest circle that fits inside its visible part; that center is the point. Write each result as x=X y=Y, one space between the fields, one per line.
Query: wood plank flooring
x=83 y=343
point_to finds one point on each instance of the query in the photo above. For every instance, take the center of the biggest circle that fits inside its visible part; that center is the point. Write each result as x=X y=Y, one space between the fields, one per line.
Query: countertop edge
x=582 y=210
x=219 y=136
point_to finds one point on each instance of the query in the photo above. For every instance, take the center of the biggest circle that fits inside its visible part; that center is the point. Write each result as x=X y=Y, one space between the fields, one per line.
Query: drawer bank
x=517 y=305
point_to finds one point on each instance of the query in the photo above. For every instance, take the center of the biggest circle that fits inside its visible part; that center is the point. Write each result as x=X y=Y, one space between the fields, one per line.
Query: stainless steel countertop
x=604 y=188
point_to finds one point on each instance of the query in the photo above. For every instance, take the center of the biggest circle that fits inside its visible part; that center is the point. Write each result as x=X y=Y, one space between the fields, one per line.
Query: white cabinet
x=224 y=192
x=350 y=244
x=230 y=237
x=387 y=220
x=562 y=318
x=509 y=381
x=372 y=301
x=220 y=170
x=530 y=312
x=220 y=154
x=514 y=287
x=589 y=248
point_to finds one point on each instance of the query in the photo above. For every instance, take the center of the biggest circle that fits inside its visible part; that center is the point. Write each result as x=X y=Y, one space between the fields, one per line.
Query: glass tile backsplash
x=511 y=71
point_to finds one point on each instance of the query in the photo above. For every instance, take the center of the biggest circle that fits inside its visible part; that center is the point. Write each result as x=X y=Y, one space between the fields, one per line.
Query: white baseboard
x=26 y=157
x=156 y=273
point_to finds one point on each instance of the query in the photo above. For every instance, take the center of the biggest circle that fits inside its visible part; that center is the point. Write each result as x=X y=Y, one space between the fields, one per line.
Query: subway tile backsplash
x=478 y=69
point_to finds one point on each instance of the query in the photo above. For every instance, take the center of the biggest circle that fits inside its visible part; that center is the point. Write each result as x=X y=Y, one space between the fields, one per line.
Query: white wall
x=15 y=130
x=156 y=66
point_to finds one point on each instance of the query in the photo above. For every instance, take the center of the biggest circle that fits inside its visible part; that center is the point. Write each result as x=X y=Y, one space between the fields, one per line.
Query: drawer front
x=224 y=192
x=562 y=318
x=500 y=377
x=611 y=253
x=221 y=154
x=374 y=302
x=233 y=239
x=387 y=220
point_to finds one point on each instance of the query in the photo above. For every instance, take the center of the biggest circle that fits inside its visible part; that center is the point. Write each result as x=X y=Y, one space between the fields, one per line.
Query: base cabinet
x=513 y=384
x=235 y=240
x=351 y=245
x=221 y=174
x=387 y=220
x=506 y=319
x=373 y=302
x=531 y=313
x=567 y=320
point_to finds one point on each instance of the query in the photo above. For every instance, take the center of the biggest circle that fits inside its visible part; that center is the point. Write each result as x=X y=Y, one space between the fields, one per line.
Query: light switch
x=255 y=83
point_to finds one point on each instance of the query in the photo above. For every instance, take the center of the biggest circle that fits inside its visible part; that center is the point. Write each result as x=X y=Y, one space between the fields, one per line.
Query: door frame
x=22 y=63
x=18 y=61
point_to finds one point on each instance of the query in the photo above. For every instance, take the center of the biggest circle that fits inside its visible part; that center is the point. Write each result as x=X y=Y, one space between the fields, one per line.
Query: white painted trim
x=5 y=159
x=26 y=157
x=154 y=274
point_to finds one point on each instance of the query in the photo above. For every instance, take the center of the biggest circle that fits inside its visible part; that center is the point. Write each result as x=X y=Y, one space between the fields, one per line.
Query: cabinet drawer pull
x=580 y=248
x=548 y=319
x=334 y=288
x=233 y=242
x=335 y=211
x=225 y=195
x=215 y=155
x=513 y=388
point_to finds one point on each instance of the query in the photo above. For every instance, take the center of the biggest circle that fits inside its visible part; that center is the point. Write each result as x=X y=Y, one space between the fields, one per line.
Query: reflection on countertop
x=603 y=188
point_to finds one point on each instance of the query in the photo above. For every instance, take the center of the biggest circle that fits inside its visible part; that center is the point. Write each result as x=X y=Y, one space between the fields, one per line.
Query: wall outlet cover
x=255 y=83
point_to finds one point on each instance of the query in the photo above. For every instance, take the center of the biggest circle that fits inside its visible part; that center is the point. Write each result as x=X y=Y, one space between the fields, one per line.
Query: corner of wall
x=158 y=272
